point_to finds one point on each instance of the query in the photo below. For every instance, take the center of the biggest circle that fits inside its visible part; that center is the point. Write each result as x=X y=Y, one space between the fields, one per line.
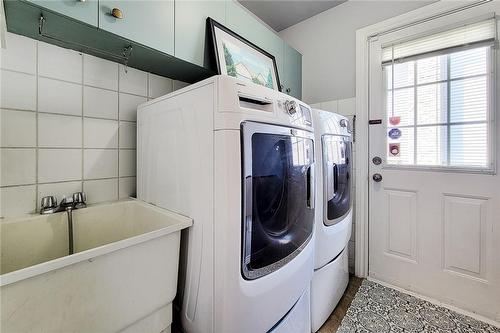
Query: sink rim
x=47 y=266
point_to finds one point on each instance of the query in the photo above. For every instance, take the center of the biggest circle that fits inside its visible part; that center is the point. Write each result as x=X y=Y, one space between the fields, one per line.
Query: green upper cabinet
x=161 y=33
x=150 y=22
x=292 y=80
x=243 y=23
x=85 y=11
x=190 y=23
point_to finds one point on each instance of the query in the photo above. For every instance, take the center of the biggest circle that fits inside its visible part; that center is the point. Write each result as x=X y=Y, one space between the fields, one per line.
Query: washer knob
x=344 y=122
x=291 y=107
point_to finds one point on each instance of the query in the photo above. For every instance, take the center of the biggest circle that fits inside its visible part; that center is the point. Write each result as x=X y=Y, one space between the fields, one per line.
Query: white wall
x=67 y=124
x=327 y=42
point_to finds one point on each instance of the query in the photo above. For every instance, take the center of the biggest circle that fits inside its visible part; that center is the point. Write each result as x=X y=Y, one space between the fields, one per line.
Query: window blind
x=438 y=111
x=468 y=34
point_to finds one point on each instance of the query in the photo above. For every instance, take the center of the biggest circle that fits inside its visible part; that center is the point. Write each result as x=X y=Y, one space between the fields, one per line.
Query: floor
x=376 y=308
x=335 y=319
x=379 y=309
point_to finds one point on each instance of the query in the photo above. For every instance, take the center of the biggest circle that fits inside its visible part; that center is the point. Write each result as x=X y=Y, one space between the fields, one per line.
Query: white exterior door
x=434 y=216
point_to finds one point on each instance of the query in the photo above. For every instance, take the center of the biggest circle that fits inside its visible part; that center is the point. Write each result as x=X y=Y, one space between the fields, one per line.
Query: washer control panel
x=300 y=114
x=291 y=107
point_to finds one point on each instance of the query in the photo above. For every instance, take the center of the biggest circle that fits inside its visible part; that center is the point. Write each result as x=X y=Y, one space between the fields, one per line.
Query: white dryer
x=333 y=220
x=238 y=159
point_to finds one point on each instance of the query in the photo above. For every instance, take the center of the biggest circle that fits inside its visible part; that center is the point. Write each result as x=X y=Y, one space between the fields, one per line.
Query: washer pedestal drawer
x=327 y=287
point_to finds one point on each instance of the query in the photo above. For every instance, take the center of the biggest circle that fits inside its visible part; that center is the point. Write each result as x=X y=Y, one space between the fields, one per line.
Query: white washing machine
x=333 y=220
x=238 y=159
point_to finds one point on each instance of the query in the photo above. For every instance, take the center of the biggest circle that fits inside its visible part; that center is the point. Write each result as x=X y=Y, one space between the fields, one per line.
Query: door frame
x=363 y=38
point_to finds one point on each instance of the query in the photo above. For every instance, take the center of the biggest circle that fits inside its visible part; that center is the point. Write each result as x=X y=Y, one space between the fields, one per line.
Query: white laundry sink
x=122 y=276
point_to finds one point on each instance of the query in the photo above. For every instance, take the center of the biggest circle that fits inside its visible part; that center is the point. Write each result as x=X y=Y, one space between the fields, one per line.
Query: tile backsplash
x=347 y=108
x=67 y=124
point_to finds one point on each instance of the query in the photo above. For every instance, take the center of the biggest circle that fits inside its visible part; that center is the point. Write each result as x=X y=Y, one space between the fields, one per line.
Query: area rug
x=376 y=308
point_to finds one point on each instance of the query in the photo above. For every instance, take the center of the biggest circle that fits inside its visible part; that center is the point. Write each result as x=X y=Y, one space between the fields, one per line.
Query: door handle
x=310 y=187
x=335 y=178
x=377 y=177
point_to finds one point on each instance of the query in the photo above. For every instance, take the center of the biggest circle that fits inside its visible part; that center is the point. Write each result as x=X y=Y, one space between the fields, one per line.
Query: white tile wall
x=100 y=163
x=128 y=106
x=100 y=133
x=21 y=56
x=100 y=73
x=127 y=135
x=17 y=128
x=128 y=163
x=59 y=165
x=100 y=103
x=17 y=167
x=126 y=186
x=19 y=93
x=158 y=85
x=347 y=108
x=58 y=131
x=56 y=96
x=59 y=63
x=67 y=124
x=17 y=200
x=133 y=81
x=101 y=190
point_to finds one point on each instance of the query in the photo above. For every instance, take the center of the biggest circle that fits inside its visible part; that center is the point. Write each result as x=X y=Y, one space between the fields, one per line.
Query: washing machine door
x=278 y=196
x=337 y=174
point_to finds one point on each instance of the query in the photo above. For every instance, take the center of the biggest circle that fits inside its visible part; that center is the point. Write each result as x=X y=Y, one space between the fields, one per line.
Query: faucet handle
x=48 y=202
x=79 y=199
x=66 y=202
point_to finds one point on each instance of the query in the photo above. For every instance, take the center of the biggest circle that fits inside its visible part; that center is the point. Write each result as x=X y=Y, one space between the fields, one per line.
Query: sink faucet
x=49 y=204
x=68 y=204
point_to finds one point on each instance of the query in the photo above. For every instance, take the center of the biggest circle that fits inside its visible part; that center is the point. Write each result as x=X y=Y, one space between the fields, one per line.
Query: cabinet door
x=85 y=11
x=190 y=27
x=245 y=24
x=293 y=72
x=148 y=22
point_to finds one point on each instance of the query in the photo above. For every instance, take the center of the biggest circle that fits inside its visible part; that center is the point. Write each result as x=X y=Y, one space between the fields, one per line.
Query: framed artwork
x=235 y=56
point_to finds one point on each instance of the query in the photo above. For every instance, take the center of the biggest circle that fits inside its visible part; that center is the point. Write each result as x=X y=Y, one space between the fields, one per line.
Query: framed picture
x=235 y=56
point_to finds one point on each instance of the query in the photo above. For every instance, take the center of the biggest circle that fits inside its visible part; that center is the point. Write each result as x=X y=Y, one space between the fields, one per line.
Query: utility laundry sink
x=121 y=278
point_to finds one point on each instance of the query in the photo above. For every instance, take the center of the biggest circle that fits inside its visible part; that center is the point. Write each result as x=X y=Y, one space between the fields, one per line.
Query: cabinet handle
x=117 y=13
x=288 y=90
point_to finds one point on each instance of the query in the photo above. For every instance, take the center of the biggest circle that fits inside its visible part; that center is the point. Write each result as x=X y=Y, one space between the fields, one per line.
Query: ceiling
x=281 y=14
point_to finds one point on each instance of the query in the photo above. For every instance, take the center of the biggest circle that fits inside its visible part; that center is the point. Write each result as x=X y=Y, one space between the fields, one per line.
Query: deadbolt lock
x=377 y=160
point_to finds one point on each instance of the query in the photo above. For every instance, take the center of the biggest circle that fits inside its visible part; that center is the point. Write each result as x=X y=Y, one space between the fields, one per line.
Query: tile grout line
x=83 y=123
x=64 y=148
x=66 y=115
x=20 y=72
x=71 y=82
x=62 y=181
x=119 y=125
x=37 y=199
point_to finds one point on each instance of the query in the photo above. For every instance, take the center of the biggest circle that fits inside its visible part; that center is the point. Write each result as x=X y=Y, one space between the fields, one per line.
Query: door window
x=437 y=103
x=337 y=181
x=279 y=208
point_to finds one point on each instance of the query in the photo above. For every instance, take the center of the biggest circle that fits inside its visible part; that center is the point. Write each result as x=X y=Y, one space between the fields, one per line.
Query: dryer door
x=278 y=196
x=337 y=177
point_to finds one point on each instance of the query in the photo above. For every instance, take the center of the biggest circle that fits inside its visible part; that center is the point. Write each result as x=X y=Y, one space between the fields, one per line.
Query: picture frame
x=231 y=54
